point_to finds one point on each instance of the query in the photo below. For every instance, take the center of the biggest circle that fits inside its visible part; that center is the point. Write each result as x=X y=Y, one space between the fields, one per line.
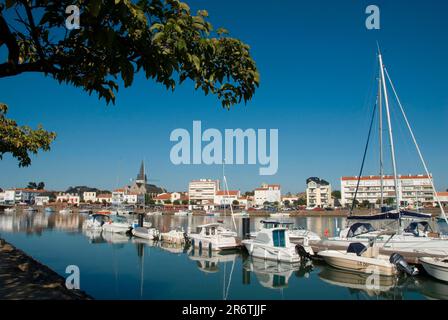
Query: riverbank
x=23 y=278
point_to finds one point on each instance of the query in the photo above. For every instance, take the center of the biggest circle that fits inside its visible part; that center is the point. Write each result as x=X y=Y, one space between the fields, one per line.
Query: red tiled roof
x=442 y=194
x=386 y=177
x=164 y=196
x=30 y=190
x=104 y=195
x=225 y=193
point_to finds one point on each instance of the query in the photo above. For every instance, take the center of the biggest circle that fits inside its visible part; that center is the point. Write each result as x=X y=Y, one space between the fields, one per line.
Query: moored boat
x=117 y=224
x=208 y=237
x=274 y=244
x=436 y=267
x=145 y=233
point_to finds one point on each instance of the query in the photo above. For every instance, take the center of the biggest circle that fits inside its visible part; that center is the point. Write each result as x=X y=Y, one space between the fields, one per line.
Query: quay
x=22 y=277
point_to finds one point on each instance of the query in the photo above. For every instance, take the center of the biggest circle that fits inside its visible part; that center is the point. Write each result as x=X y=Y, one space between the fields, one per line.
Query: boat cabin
x=359 y=228
x=209 y=229
x=275 y=237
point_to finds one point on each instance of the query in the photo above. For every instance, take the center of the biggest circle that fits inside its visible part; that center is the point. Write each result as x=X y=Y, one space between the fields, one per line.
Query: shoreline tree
x=117 y=39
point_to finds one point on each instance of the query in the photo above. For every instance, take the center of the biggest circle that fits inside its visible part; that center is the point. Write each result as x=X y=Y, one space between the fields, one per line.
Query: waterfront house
x=226 y=198
x=89 y=196
x=318 y=193
x=70 y=198
x=202 y=192
x=104 y=198
x=267 y=193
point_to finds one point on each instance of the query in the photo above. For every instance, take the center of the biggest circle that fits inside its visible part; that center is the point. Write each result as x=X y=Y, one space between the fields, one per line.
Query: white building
x=443 y=197
x=89 y=196
x=131 y=198
x=267 y=193
x=117 y=197
x=225 y=198
x=412 y=189
x=318 y=193
x=203 y=191
x=71 y=198
x=41 y=200
x=8 y=197
x=104 y=198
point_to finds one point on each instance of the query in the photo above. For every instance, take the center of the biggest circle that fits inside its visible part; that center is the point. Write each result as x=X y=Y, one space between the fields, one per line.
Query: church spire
x=141 y=177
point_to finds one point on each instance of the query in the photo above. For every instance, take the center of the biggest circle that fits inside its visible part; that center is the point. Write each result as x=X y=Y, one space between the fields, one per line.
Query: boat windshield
x=119 y=219
x=278 y=237
x=359 y=228
x=417 y=227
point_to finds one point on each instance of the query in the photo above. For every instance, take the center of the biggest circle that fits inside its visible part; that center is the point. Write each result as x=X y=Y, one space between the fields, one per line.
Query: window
x=279 y=238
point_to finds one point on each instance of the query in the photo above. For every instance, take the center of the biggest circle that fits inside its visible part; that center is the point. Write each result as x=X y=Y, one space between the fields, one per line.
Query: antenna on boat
x=391 y=137
x=416 y=146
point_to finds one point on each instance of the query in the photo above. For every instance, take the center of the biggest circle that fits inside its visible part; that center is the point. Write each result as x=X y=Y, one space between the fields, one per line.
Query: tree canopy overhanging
x=117 y=39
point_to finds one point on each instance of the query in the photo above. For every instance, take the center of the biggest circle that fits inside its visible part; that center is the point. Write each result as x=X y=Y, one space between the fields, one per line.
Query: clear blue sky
x=317 y=63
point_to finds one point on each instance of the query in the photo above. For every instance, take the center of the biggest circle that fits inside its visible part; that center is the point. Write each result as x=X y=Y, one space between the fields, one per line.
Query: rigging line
x=230 y=280
x=416 y=146
x=363 y=158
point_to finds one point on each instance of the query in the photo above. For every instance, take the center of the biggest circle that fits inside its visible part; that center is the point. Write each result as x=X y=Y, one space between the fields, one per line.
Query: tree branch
x=7 y=38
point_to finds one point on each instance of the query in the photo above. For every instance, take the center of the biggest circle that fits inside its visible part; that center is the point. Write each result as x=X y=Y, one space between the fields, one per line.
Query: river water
x=115 y=266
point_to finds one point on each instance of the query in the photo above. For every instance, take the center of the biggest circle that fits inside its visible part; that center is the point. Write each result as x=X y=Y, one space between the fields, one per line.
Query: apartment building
x=318 y=193
x=412 y=189
x=267 y=193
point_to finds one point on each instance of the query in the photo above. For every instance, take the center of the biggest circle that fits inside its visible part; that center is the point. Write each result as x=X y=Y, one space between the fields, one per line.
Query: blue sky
x=317 y=63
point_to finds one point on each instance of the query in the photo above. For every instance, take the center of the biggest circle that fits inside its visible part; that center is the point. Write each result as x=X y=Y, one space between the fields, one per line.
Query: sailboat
x=402 y=239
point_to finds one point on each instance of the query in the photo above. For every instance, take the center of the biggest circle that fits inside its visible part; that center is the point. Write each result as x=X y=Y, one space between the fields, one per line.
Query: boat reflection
x=362 y=284
x=175 y=248
x=273 y=274
x=432 y=289
x=208 y=261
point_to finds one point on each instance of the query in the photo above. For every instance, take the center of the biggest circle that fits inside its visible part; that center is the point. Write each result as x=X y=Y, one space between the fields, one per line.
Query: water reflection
x=117 y=266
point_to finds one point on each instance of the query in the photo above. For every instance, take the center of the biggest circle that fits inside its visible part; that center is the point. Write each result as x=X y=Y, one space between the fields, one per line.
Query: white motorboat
x=135 y=224
x=145 y=233
x=294 y=233
x=176 y=236
x=30 y=210
x=436 y=267
x=279 y=215
x=368 y=262
x=65 y=211
x=95 y=222
x=359 y=258
x=208 y=237
x=183 y=213
x=117 y=224
x=212 y=214
x=274 y=244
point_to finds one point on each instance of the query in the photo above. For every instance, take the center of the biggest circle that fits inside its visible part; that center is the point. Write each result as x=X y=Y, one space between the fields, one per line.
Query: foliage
x=21 y=141
x=176 y=202
x=235 y=202
x=184 y=202
x=36 y=186
x=162 y=39
x=336 y=194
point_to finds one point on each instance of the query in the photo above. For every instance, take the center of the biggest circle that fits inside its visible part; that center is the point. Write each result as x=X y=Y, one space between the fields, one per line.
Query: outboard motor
x=402 y=265
x=304 y=255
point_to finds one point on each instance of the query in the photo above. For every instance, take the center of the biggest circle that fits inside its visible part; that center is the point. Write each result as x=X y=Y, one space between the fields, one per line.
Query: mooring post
x=140 y=219
x=246 y=228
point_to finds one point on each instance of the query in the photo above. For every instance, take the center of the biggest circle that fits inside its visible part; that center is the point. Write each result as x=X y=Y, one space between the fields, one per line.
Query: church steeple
x=141 y=177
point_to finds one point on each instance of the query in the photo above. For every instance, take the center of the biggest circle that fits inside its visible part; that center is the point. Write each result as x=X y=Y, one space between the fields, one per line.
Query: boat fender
x=192 y=243
x=300 y=250
x=200 y=248
x=402 y=265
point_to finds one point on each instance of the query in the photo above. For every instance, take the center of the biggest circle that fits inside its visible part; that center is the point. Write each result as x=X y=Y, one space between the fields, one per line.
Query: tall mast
x=380 y=116
x=391 y=138
x=418 y=149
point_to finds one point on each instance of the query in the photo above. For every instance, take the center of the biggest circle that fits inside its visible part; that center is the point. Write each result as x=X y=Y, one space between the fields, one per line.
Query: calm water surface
x=115 y=266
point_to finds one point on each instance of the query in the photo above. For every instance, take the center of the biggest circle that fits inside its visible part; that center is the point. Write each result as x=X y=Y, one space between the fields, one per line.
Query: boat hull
x=267 y=252
x=352 y=262
x=435 y=268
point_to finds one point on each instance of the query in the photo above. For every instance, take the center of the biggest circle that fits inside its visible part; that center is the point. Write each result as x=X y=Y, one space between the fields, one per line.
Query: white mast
x=391 y=138
x=417 y=147
x=226 y=188
x=380 y=115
